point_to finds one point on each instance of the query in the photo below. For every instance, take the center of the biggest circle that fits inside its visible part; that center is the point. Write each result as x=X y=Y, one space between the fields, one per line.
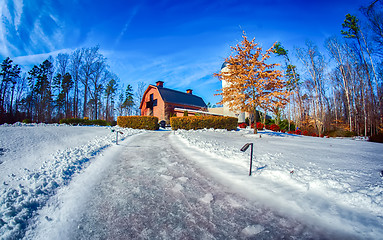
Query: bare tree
x=315 y=65
x=91 y=63
x=138 y=95
x=75 y=69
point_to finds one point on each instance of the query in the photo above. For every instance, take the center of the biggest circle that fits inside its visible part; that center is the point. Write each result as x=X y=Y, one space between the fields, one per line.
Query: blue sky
x=179 y=42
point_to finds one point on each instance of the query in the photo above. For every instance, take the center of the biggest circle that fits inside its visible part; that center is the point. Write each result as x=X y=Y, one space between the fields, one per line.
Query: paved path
x=154 y=192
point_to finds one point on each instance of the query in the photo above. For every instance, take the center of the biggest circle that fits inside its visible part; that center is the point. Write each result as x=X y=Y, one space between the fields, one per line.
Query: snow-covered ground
x=48 y=173
x=38 y=159
x=334 y=183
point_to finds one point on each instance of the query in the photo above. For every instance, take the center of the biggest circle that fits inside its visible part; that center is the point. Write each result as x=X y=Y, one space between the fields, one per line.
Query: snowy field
x=330 y=184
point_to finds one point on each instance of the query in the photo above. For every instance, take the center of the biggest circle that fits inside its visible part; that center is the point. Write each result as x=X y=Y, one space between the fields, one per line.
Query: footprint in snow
x=182 y=179
x=166 y=177
x=253 y=230
x=177 y=188
x=207 y=198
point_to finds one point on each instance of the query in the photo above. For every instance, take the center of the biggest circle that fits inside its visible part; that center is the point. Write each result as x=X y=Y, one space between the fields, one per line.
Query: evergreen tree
x=128 y=103
x=6 y=75
x=110 y=92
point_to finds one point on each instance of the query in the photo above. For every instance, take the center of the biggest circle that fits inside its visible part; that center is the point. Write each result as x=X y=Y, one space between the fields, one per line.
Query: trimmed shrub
x=201 y=122
x=138 y=122
x=99 y=122
x=297 y=132
x=83 y=122
x=305 y=132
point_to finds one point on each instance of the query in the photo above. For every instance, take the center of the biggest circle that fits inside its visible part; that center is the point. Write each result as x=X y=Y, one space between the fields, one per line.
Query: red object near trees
x=242 y=125
x=274 y=127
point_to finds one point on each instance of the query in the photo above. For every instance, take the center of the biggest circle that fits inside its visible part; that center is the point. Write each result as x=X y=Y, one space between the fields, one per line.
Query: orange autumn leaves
x=250 y=82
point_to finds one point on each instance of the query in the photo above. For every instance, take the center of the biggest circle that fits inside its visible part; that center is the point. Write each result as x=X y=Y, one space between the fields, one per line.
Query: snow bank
x=333 y=183
x=37 y=160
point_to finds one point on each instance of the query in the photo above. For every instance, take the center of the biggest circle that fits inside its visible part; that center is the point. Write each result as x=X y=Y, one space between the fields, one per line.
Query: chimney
x=160 y=84
x=189 y=91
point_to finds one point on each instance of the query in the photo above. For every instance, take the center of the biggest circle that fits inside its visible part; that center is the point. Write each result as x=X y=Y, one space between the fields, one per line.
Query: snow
x=333 y=183
x=251 y=231
x=39 y=159
x=73 y=182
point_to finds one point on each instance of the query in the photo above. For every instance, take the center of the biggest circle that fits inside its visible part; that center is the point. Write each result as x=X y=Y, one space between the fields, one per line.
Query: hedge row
x=83 y=122
x=138 y=122
x=201 y=122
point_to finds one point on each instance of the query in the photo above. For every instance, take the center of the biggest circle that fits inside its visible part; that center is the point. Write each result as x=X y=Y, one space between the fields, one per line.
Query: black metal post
x=243 y=149
x=251 y=159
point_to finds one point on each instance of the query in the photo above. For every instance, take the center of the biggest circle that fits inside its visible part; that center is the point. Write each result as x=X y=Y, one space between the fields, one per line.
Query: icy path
x=149 y=190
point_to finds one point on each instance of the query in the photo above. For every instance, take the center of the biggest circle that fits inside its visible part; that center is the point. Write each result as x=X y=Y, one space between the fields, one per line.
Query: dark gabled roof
x=177 y=97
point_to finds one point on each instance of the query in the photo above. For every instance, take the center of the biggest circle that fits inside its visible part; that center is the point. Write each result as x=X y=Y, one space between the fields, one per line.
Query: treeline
x=342 y=88
x=76 y=85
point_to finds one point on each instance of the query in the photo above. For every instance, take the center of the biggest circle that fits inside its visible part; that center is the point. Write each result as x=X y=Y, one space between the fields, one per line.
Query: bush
x=242 y=125
x=274 y=127
x=297 y=132
x=138 y=122
x=83 y=122
x=201 y=122
x=376 y=138
x=27 y=121
x=269 y=121
x=284 y=124
x=259 y=125
x=340 y=133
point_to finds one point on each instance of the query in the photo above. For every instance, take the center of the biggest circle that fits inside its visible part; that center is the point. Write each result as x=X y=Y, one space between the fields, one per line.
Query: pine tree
x=251 y=82
x=110 y=92
x=293 y=81
x=128 y=101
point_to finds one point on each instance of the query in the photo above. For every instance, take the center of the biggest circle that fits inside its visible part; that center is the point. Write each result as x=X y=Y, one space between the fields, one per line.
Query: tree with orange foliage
x=251 y=83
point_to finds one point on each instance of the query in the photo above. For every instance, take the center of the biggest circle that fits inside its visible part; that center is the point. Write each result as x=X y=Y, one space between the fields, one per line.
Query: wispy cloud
x=10 y=15
x=35 y=59
x=131 y=16
x=29 y=27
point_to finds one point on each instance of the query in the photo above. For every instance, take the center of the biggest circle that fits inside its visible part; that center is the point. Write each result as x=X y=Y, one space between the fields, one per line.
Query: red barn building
x=164 y=102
